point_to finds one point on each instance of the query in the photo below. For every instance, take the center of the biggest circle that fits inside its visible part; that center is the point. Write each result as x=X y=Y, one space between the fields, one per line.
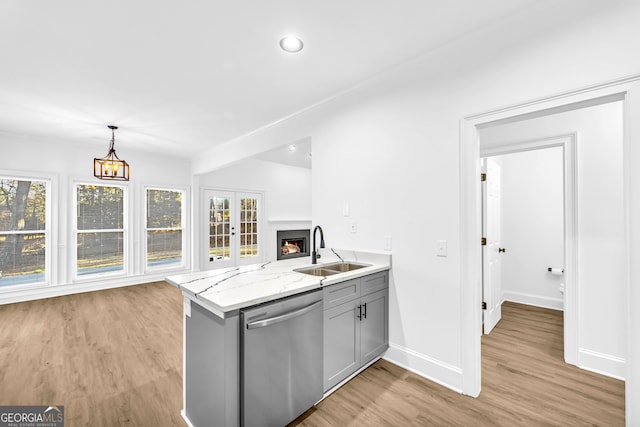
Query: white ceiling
x=298 y=154
x=182 y=76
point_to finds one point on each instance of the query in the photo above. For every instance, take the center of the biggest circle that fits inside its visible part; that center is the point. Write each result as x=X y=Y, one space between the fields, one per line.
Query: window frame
x=49 y=230
x=183 y=228
x=127 y=252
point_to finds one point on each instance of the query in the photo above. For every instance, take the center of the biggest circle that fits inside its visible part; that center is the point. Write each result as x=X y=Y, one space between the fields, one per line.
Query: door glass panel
x=219 y=229
x=249 y=220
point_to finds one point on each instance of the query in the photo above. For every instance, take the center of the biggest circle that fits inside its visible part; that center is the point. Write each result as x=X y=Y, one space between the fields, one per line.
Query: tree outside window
x=100 y=229
x=23 y=231
x=164 y=227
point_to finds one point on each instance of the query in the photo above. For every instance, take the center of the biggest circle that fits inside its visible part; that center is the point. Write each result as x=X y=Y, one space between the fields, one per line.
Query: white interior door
x=233 y=227
x=491 y=252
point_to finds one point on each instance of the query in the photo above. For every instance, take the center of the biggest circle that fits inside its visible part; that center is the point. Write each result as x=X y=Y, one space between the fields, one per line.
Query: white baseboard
x=432 y=369
x=185 y=418
x=604 y=364
x=535 y=300
x=9 y=296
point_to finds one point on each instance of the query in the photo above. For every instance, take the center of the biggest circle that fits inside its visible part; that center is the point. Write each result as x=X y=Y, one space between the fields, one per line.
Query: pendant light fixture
x=110 y=166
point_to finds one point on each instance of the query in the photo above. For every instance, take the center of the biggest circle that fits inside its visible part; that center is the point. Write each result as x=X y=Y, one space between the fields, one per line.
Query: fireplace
x=292 y=243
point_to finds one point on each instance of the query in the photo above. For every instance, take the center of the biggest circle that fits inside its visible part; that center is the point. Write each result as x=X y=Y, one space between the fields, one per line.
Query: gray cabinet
x=211 y=368
x=356 y=327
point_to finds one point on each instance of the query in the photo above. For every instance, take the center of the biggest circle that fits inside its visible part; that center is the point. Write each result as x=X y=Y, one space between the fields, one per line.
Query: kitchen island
x=214 y=302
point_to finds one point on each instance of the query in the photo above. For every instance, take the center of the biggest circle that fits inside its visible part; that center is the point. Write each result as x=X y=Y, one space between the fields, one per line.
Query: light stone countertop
x=227 y=290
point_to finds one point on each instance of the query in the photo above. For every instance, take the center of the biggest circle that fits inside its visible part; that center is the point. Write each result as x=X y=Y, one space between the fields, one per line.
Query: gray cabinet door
x=374 y=327
x=341 y=342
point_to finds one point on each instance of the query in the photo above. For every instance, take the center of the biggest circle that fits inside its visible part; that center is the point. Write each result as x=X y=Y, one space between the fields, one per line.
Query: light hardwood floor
x=525 y=382
x=114 y=358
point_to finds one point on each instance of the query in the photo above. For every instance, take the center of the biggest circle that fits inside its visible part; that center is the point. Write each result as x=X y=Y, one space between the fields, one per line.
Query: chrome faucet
x=314 y=254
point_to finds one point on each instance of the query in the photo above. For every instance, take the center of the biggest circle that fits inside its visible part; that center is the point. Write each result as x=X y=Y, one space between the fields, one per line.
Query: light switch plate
x=345 y=209
x=353 y=227
x=441 y=248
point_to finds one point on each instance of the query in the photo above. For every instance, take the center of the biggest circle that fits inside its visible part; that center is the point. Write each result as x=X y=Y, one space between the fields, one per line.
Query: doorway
x=525 y=224
x=624 y=89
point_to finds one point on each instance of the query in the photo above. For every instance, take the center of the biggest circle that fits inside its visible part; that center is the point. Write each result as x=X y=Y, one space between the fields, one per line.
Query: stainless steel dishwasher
x=281 y=351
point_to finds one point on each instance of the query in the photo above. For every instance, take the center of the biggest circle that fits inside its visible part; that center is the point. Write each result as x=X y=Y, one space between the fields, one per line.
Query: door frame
x=568 y=143
x=470 y=227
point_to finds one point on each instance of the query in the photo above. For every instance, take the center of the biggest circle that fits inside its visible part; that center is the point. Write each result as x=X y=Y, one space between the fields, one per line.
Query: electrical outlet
x=387 y=243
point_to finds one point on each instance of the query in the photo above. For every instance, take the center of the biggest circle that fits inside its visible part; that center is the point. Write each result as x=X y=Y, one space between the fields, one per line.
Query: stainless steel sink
x=344 y=266
x=316 y=271
x=330 y=269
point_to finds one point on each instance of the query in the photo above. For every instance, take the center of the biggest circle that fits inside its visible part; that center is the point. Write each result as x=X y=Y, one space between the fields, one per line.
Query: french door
x=234 y=227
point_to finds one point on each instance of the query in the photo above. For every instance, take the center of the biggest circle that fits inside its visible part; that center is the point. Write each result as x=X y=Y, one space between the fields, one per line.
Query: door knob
x=501 y=250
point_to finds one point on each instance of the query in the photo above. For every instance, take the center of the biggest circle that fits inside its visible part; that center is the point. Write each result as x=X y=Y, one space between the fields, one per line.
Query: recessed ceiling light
x=291 y=44
x=292 y=148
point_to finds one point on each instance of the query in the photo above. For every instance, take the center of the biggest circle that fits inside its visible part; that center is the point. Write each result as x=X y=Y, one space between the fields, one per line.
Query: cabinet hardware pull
x=364 y=314
x=359 y=316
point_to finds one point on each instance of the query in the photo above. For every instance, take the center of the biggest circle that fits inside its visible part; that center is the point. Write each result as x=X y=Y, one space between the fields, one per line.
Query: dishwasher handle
x=283 y=317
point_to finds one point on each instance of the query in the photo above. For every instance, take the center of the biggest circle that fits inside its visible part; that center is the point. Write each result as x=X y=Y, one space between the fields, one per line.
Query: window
x=100 y=229
x=23 y=231
x=164 y=228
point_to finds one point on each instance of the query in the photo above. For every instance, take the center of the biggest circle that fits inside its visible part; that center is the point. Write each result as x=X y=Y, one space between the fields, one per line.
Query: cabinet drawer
x=341 y=292
x=374 y=282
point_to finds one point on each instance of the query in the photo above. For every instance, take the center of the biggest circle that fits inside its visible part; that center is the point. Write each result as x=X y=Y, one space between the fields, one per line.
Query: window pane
x=164 y=209
x=23 y=205
x=22 y=258
x=164 y=247
x=100 y=252
x=100 y=207
x=219 y=229
x=248 y=228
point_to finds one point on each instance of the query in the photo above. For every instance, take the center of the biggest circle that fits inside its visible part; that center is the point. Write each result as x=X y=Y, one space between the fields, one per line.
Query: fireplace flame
x=290 y=248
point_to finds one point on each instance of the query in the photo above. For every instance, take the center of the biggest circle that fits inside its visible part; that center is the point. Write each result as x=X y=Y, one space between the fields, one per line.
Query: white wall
x=287 y=194
x=532 y=226
x=390 y=148
x=601 y=272
x=66 y=164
